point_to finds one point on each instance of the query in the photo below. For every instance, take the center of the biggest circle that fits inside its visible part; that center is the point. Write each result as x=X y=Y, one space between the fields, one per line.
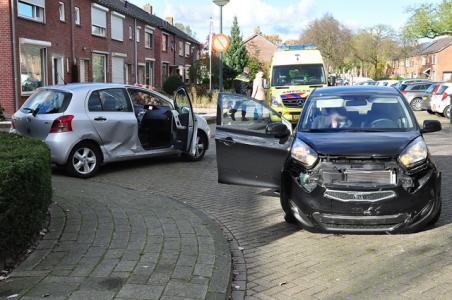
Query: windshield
x=356 y=113
x=298 y=75
x=47 y=102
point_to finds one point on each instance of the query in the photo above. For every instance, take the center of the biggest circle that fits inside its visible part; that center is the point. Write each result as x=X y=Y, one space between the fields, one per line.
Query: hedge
x=25 y=192
x=171 y=84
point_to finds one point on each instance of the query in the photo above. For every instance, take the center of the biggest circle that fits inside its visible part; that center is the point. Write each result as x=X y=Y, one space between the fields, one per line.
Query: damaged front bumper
x=388 y=198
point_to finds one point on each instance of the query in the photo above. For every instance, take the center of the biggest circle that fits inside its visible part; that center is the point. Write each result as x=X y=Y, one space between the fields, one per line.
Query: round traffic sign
x=220 y=42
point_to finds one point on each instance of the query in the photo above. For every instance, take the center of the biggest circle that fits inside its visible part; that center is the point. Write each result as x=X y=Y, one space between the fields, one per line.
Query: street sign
x=220 y=43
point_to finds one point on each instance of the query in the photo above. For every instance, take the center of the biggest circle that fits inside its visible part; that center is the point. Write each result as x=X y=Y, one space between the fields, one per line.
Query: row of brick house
x=432 y=60
x=47 y=42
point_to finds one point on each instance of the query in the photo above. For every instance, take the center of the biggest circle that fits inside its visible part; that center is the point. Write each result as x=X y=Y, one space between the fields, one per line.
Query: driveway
x=280 y=261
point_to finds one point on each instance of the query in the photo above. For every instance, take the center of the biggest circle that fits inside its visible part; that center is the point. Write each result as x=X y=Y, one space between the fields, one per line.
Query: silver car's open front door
x=252 y=142
x=184 y=122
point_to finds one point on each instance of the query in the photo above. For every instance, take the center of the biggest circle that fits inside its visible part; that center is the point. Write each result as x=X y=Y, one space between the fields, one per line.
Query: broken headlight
x=303 y=153
x=414 y=154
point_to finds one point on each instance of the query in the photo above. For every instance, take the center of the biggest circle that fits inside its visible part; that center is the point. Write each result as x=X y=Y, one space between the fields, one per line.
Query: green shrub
x=25 y=191
x=172 y=83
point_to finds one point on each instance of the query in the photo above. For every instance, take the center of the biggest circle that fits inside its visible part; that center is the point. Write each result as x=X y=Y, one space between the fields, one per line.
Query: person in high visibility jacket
x=242 y=85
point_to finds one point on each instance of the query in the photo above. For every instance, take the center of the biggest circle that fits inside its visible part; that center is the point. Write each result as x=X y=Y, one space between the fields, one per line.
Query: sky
x=287 y=18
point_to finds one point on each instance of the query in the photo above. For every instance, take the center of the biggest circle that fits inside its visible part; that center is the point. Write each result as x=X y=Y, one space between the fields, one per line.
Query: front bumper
x=405 y=211
x=290 y=114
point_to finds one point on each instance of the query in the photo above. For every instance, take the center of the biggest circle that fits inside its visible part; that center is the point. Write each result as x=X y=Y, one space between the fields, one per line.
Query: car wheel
x=288 y=213
x=435 y=218
x=84 y=160
x=201 y=147
x=446 y=112
x=416 y=104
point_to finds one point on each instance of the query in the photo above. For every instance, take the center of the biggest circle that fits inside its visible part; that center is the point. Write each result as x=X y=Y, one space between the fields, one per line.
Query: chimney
x=170 y=20
x=148 y=8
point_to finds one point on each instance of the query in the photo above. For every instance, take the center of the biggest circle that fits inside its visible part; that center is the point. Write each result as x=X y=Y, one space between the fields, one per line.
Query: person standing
x=258 y=94
x=242 y=86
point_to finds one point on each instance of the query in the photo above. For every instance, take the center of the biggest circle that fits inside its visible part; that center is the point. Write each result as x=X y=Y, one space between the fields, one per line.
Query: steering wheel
x=382 y=123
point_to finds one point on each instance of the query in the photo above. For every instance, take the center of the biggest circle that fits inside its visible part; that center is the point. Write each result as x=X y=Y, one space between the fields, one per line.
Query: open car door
x=184 y=122
x=252 y=144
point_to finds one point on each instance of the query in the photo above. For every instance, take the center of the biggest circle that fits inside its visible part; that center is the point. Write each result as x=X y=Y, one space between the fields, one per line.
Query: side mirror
x=278 y=130
x=431 y=126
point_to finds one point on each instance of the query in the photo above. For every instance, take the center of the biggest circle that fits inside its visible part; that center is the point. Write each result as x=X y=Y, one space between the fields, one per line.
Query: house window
x=447 y=76
x=424 y=60
x=149 y=73
x=187 y=74
x=149 y=38
x=31 y=9
x=187 y=49
x=117 y=27
x=98 y=20
x=99 y=67
x=61 y=11
x=32 y=67
x=137 y=34
x=130 y=33
x=165 y=71
x=77 y=15
x=181 y=48
x=164 y=43
x=434 y=59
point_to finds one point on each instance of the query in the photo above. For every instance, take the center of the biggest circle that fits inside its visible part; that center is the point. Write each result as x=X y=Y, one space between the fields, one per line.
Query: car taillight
x=403 y=92
x=62 y=124
x=445 y=95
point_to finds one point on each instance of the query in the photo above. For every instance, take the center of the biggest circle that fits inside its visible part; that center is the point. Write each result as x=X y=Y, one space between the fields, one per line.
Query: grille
x=378 y=177
x=359 y=196
x=294 y=102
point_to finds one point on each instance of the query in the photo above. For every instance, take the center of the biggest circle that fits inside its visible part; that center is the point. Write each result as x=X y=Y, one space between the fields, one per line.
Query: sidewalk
x=108 y=242
x=210 y=114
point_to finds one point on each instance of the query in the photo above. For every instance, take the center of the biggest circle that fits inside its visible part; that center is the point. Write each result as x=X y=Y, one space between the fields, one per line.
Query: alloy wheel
x=200 y=146
x=84 y=160
x=447 y=112
x=416 y=104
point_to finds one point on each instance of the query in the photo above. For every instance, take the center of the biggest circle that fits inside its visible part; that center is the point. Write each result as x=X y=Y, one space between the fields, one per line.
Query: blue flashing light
x=298 y=47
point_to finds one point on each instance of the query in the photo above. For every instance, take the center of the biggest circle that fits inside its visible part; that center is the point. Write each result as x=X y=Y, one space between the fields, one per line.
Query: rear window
x=431 y=88
x=47 y=102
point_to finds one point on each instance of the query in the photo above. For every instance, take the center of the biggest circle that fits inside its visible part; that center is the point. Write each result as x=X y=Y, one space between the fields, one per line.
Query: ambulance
x=295 y=71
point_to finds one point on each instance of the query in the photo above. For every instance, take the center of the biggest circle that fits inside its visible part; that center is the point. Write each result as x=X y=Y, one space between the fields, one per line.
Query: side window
x=143 y=98
x=245 y=113
x=182 y=102
x=112 y=100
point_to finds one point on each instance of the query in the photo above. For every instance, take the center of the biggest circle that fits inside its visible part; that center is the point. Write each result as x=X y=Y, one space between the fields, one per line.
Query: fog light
x=309 y=183
x=406 y=182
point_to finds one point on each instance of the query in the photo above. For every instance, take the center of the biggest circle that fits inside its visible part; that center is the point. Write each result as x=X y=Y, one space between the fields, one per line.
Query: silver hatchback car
x=86 y=125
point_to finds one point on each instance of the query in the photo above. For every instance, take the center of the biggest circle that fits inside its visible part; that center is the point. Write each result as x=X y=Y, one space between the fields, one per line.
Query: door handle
x=100 y=119
x=228 y=141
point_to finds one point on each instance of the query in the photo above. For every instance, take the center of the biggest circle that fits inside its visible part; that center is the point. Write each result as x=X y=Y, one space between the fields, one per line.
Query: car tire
x=84 y=160
x=288 y=215
x=201 y=147
x=436 y=217
x=446 y=112
x=416 y=104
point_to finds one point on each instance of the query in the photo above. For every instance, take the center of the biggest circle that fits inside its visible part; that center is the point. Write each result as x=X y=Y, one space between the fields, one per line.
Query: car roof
x=356 y=90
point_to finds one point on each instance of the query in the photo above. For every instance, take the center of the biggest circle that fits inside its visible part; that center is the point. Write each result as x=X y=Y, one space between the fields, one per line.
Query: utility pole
x=221 y=3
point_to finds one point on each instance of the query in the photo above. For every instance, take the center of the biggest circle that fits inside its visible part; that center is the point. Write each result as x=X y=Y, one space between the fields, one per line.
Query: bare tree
x=332 y=38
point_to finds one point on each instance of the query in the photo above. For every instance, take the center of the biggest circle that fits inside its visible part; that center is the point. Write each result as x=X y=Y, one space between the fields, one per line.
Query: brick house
x=260 y=47
x=431 y=60
x=47 y=42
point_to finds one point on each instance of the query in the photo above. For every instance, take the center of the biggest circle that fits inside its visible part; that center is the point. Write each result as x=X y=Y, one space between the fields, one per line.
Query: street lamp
x=221 y=3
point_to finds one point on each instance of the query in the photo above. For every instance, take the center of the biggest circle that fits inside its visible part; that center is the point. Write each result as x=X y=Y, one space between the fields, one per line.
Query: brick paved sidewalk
x=105 y=242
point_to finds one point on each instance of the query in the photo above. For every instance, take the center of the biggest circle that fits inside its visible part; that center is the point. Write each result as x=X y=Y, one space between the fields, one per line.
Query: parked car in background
x=440 y=101
x=86 y=125
x=357 y=162
x=414 y=94
x=367 y=82
x=404 y=83
x=388 y=82
x=429 y=93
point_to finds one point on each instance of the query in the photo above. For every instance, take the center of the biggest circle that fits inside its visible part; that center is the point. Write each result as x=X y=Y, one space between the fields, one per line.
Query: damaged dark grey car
x=357 y=161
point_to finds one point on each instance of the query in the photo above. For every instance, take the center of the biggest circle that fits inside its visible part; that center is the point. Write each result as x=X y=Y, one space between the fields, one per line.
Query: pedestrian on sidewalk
x=258 y=94
x=241 y=86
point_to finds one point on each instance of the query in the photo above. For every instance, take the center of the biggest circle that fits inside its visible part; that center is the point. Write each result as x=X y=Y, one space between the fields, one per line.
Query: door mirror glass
x=431 y=126
x=278 y=130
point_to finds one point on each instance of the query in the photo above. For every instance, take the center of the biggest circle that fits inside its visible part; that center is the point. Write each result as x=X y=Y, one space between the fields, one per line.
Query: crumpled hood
x=366 y=144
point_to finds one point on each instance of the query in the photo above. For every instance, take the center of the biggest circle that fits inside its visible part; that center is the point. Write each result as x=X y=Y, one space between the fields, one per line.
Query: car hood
x=362 y=144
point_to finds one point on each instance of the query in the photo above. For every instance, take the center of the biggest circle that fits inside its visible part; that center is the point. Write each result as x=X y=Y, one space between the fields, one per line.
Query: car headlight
x=415 y=153
x=303 y=153
x=275 y=101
